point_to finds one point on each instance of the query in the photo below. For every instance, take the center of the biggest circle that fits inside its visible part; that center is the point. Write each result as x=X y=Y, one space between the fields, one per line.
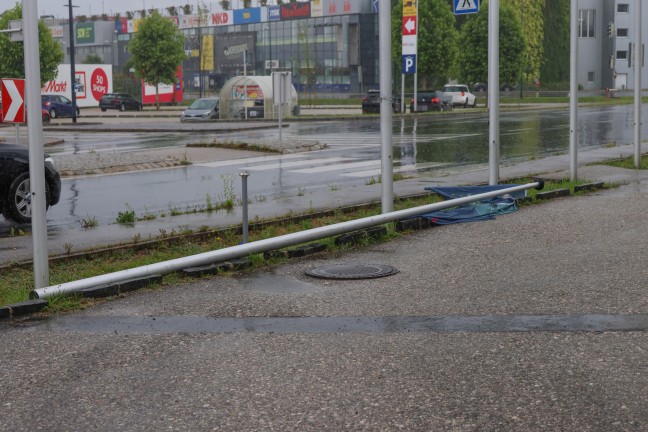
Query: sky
x=98 y=7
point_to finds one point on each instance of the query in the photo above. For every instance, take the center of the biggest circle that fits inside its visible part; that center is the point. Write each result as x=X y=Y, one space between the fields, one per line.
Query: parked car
x=253 y=112
x=58 y=106
x=431 y=100
x=44 y=113
x=371 y=103
x=483 y=87
x=119 y=101
x=460 y=95
x=204 y=109
x=15 y=195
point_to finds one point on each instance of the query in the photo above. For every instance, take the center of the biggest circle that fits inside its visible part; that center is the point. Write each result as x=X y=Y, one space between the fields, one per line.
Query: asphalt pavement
x=534 y=321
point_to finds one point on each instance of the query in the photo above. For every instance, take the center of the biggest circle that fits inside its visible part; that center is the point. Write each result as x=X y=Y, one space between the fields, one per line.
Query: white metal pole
x=573 y=93
x=387 y=167
x=638 y=63
x=402 y=107
x=245 y=84
x=259 y=246
x=493 y=91
x=35 y=133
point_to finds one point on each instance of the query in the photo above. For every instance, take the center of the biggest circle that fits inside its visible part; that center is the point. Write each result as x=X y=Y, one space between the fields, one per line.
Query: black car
x=431 y=101
x=119 y=101
x=371 y=103
x=15 y=195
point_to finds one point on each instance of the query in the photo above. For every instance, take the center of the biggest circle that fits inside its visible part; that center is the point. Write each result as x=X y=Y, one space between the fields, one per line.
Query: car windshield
x=203 y=104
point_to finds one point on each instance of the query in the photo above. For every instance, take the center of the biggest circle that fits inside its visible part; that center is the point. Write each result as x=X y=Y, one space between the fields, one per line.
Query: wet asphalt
x=535 y=321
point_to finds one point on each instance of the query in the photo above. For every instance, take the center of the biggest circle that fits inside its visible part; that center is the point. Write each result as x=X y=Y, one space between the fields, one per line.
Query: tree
x=157 y=50
x=93 y=58
x=12 y=61
x=531 y=13
x=555 y=67
x=472 y=61
x=437 y=40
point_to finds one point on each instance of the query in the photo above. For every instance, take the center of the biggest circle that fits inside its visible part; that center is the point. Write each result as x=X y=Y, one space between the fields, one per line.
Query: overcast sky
x=97 y=7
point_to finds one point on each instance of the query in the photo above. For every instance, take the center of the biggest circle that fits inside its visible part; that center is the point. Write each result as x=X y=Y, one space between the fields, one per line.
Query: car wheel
x=52 y=113
x=46 y=118
x=78 y=111
x=139 y=107
x=122 y=107
x=474 y=105
x=466 y=103
x=103 y=109
x=18 y=202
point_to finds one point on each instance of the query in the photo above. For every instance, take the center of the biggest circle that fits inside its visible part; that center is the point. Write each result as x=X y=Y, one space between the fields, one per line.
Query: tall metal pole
x=573 y=93
x=72 y=70
x=387 y=166
x=638 y=63
x=36 y=152
x=493 y=91
x=245 y=110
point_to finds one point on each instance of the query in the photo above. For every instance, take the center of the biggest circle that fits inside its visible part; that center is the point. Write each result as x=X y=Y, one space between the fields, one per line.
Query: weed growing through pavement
x=127 y=216
x=88 y=222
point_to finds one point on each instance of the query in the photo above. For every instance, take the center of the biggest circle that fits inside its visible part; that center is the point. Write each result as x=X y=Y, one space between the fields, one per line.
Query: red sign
x=295 y=11
x=13 y=100
x=409 y=25
x=98 y=83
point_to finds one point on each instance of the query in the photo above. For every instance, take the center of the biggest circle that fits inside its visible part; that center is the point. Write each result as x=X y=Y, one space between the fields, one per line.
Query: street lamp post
x=72 y=71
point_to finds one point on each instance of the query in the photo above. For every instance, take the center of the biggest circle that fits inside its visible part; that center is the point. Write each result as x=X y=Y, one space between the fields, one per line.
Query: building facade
x=329 y=46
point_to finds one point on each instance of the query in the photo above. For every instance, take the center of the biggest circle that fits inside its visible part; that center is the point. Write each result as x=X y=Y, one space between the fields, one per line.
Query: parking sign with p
x=409 y=64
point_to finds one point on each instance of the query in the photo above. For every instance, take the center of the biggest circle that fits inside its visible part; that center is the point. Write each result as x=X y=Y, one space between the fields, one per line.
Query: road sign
x=13 y=100
x=409 y=8
x=409 y=64
x=462 y=7
x=409 y=25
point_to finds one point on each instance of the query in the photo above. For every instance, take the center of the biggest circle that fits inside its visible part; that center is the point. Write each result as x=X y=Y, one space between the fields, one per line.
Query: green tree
x=12 y=61
x=157 y=50
x=93 y=58
x=531 y=13
x=436 y=38
x=555 y=66
x=472 y=61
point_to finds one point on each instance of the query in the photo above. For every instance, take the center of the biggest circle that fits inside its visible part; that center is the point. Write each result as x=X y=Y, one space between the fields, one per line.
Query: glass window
x=622 y=55
x=623 y=8
x=587 y=23
x=590 y=77
x=622 y=32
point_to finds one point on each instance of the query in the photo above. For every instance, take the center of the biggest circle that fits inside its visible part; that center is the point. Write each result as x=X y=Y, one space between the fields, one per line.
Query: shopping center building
x=329 y=46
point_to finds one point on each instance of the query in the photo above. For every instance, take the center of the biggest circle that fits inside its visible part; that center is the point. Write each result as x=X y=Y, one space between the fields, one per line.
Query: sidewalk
x=535 y=321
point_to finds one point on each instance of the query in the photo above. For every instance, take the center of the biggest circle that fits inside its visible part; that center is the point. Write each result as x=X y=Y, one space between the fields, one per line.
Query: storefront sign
x=247 y=16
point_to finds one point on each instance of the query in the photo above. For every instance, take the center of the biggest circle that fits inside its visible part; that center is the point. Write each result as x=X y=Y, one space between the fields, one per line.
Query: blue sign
x=463 y=7
x=409 y=64
x=274 y=13
x=247 y=16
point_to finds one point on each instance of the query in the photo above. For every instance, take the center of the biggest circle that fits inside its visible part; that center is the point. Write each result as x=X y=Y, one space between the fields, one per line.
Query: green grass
x=629 y=162
x=17 y=281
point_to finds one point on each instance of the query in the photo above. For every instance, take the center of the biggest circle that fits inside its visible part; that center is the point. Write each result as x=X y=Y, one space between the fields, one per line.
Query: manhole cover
x=353 y=271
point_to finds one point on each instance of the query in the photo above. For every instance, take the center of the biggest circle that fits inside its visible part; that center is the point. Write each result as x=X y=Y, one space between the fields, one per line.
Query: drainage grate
x=353 y=271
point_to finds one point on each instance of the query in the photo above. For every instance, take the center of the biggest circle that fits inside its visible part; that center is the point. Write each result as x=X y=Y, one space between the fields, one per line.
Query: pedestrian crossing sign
x=462 y=7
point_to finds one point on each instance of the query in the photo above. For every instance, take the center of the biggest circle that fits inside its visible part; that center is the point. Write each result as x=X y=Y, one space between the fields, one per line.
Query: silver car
x=204 y=109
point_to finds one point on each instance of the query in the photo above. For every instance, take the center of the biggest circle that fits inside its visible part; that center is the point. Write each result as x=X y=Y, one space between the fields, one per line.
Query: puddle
x=276 y=284
x=343 y=324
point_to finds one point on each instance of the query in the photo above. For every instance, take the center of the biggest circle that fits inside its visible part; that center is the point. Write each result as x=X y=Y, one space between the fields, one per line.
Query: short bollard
x=244 y=198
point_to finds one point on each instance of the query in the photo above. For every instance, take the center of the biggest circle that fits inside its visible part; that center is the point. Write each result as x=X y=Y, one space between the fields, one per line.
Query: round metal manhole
x=353 y=271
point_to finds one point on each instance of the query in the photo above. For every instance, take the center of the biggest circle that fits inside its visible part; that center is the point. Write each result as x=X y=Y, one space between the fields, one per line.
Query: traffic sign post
x=409 y=30
x=13 y=100
x=463 y=7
